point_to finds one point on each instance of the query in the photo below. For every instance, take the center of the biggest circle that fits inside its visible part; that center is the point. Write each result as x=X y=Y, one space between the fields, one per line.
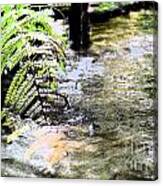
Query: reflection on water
x=117 y=92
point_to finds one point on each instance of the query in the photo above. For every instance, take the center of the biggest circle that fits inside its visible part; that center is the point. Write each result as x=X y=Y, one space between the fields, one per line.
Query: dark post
x=85 y=26
x=79 y=26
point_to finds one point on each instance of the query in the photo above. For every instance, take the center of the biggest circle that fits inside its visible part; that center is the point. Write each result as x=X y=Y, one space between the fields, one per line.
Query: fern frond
x=15 y=85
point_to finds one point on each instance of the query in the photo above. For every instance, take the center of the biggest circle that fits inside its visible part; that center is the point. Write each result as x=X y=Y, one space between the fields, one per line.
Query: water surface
x=113 y=86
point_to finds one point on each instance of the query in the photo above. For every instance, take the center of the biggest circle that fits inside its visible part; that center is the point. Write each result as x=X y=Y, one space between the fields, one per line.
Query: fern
x=34 y=53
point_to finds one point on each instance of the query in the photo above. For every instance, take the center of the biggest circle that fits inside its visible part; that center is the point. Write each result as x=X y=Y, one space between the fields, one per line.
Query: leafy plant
x=106 y=6
x=32 y=54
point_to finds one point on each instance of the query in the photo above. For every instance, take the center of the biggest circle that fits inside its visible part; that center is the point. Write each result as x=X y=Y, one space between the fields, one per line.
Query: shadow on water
x=117 y=92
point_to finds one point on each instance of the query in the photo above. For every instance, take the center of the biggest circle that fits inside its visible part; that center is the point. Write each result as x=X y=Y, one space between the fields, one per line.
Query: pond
x=112 y=87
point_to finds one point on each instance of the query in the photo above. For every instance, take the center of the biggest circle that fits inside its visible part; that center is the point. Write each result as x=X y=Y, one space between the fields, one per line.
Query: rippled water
x=113 y=86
